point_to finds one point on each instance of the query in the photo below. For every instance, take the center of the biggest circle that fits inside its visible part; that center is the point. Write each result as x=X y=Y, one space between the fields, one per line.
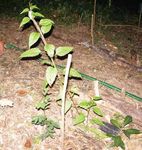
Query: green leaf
x=51 y=74
x=80 y=118
x=98 y=111
x=96 y=98
x=46 y=22
x=39 y=120
x=68 y=105
x=62 y=51
x=118 y=142
x=26 y=10
x=38 y=15
x=30 y=53
x=43 y=105
x=49 y=48
x=115 y=123
x=97 y=121
x=34 y=37
x=74 y=73
x=87 y=104
x=46 y=62
x=128 y=119
x=24 y=21
x=36 y=140
x=32 y=7
x=129 y=132
x=54 y=124
x=46 y=29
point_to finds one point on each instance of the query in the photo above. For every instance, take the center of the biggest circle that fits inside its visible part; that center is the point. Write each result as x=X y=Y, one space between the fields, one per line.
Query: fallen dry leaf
x=21 y=92
x=28 y=143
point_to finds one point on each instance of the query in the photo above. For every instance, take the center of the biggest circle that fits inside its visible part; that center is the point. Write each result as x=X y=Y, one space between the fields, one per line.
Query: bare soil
x=21 y=82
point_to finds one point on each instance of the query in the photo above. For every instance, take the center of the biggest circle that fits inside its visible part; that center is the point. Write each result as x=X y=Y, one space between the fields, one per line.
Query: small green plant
x=86 y=106
x=49 y=124
x=53 y=74
x=43 y=26
x=121 y=125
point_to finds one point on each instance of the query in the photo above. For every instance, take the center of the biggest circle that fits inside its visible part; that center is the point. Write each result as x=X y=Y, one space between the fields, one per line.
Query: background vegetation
x=72 y=11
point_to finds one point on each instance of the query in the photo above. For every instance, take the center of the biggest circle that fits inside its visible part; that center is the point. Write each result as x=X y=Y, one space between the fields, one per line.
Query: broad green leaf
x=26 y=10
x=33 y=52
x=34 y=37
x=49 y=48
x=68 y=105
x=39 y=120
x=129 y=132
x=97 y=111
x=96 y=98
x=62 y=51
x=87 y=104
x=74 y=73
x=97 y=121
x=46 y=29
x=24 y=21
x=32 y=7
x=80 y=118
x=128 y=119
x=115 y=123
x=51 y=74
x=38 y=15
x=46 y=22
x=118 y=119
x=118 y=142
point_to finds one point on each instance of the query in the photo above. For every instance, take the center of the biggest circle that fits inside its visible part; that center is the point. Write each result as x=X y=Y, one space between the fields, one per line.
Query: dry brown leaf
x=28 y=143
x=21 y=92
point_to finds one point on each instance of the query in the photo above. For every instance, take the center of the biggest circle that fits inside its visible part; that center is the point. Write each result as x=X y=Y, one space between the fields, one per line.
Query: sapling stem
x=37 y=27
x=64 y=97
x=71 y=97
x=41 y=34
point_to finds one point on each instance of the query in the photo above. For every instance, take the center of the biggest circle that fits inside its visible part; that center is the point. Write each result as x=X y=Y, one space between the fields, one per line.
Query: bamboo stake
x=140 y=15
x=93 y=23
x=92 y=29
x=64 y=98
x=96 y=88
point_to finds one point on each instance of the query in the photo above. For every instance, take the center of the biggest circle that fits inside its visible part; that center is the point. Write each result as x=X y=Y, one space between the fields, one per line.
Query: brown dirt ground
x=21 y=81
